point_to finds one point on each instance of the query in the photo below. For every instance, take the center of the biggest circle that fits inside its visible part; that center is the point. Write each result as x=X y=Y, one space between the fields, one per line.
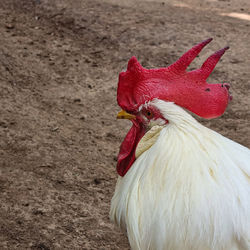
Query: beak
x=124 y=115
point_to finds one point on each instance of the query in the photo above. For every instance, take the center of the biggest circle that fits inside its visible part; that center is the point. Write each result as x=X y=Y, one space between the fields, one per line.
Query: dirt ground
x=59 y=137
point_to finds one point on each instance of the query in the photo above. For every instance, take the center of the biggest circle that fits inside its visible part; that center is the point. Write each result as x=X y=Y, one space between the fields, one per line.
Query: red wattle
x=126 y=155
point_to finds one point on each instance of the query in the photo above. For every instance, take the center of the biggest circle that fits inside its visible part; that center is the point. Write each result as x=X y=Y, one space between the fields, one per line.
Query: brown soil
x=59 y=65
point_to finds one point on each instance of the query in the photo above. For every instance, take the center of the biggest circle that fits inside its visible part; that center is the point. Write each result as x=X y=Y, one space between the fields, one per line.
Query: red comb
x=187 y=89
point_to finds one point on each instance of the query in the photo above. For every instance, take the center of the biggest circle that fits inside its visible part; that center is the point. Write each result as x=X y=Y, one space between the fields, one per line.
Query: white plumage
x=189 y=188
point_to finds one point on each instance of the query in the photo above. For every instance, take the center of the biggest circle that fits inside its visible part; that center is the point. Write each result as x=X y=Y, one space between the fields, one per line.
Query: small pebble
x=9 y=26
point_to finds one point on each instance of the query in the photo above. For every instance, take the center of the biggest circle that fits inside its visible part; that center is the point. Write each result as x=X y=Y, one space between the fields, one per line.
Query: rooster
x=181 y=186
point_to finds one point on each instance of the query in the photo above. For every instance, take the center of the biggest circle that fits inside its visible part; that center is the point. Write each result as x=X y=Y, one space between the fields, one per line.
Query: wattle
x=126 y=155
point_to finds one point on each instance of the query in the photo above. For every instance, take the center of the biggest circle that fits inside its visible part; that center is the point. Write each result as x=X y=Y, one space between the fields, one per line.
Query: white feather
x=189 y=191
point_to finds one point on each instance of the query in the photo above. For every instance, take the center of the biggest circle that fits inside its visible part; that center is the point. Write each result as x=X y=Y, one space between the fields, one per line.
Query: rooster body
x=182 y=186
x=190 y=189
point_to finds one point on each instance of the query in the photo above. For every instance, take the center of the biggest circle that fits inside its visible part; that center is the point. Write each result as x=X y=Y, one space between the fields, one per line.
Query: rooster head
x=138 y=86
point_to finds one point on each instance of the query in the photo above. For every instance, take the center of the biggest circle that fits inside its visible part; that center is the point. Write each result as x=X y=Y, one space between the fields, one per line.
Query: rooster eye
x=149 y=114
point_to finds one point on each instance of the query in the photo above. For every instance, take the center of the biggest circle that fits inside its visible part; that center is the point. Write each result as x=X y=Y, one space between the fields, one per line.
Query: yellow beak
x=124 y=115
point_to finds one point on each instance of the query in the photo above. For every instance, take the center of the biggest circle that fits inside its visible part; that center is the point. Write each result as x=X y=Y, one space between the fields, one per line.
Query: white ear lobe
x=148 y=140
x=157 y=122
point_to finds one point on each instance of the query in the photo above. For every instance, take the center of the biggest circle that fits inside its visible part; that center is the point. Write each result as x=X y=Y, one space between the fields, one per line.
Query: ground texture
x=59 y=138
